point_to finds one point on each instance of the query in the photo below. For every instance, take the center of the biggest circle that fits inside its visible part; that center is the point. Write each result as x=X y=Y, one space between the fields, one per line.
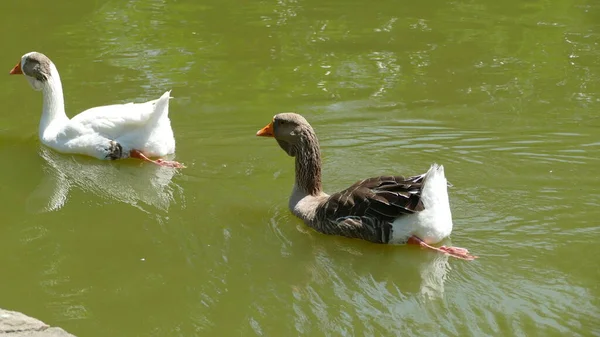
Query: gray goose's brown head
x=36 y=67
x=289 y=129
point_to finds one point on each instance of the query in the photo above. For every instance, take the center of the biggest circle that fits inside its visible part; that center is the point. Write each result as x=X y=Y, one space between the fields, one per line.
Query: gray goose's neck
x=308 y=164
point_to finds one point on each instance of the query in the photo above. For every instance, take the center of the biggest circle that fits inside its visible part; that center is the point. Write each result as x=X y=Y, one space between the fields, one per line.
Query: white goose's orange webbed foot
x=457 y=252
x=169 y=163
x=160 y=162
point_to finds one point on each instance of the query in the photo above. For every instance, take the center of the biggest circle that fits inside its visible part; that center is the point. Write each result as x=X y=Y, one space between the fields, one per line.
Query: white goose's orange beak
x=16 y=70
x=267 y=131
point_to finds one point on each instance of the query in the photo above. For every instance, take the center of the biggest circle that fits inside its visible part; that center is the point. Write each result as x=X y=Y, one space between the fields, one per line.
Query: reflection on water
x=317 y=284
x=343 y=260
x=372 y=288
x=343 y=286
x=139 y=185
x=504 y=94
x=433 y=275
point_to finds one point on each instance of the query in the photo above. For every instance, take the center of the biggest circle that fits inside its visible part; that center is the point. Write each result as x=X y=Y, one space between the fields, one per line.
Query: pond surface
x=504 y=94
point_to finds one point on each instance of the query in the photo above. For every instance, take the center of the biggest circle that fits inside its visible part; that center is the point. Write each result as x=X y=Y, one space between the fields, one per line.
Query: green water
x=505 y=94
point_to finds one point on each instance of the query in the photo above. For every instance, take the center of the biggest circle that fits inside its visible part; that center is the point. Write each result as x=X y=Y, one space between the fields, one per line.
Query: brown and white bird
x=385 y=209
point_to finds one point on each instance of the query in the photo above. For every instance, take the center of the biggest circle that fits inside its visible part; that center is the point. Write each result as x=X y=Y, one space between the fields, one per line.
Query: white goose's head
x=36 y=67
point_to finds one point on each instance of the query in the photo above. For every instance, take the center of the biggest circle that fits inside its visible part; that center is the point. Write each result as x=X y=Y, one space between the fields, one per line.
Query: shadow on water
x=140 y=186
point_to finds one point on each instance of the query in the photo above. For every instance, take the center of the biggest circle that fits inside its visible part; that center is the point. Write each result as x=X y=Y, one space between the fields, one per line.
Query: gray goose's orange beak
x=16 y=70
x=267 y=131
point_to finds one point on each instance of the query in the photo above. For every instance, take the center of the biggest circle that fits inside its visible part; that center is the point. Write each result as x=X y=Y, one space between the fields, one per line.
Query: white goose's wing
x=115 y=120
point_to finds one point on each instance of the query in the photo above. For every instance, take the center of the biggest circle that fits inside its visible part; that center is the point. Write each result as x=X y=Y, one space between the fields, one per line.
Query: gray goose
x=385 y=209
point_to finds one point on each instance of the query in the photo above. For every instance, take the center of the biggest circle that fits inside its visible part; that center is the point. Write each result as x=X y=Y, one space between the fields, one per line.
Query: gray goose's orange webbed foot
x=457 y=252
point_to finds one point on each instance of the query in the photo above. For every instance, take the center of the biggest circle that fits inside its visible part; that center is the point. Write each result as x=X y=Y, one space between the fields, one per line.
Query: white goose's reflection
x=137 y=185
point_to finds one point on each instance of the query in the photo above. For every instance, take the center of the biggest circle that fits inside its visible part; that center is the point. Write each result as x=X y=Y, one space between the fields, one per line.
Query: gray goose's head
x=36 y=67
x=290 y=130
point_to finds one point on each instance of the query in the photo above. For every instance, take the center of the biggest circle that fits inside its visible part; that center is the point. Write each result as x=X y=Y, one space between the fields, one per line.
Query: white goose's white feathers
x=104 y=132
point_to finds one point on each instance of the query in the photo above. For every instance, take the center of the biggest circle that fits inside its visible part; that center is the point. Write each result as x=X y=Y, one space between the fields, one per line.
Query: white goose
x=138 y=130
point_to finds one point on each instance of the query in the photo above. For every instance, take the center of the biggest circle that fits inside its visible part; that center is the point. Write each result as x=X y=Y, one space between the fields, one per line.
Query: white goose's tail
x=161 y=108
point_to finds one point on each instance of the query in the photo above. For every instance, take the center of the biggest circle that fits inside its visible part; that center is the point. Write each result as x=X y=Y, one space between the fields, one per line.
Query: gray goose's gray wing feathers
x=367 y=209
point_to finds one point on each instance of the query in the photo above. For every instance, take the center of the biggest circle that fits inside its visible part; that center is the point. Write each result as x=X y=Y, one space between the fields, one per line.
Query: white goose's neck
x=54 y=104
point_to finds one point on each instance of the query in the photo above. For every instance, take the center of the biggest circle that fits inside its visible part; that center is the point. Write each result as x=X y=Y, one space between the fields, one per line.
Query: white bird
x=138 y=130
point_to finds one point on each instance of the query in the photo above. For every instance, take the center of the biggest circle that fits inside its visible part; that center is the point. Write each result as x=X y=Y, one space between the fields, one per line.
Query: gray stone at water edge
x=16 y=324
